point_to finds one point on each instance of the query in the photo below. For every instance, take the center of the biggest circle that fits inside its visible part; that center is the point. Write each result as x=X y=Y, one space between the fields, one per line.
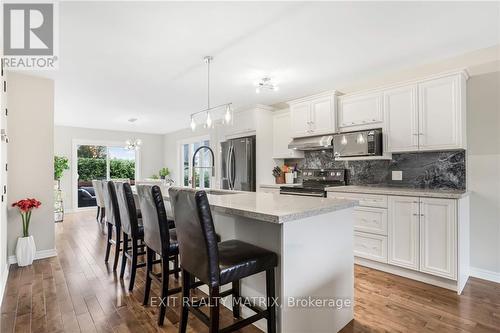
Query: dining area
x=143 y=233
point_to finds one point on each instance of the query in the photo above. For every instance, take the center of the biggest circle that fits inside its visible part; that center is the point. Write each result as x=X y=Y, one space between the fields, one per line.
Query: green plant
x=164 y=172
x=155 y=176
x=61 y=164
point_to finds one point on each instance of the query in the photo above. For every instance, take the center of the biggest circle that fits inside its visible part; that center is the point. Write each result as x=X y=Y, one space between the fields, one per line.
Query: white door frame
x=74 y=164
x=180 y=143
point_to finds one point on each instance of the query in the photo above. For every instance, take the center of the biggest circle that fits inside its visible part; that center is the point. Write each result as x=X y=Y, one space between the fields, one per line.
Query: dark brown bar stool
x=113 y=222
x=132 y=229
x=217 y=264
x=159 y=239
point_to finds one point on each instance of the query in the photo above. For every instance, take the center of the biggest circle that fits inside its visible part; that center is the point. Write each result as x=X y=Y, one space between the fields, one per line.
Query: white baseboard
x=39 y=255
x=485 y=274
x=3 y=281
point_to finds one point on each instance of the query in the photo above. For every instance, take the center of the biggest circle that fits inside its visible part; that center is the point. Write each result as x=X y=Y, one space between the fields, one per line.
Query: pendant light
x=133 y=143
x=222 y=112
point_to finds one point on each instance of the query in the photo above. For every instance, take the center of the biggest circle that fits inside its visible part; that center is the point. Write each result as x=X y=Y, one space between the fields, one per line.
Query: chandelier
x=266 y=84
x=133 y=143
x=222 y=113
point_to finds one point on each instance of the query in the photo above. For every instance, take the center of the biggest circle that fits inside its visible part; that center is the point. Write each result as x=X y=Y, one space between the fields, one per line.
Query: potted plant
x=61 y=164
x=164 y=172
x=25 y=248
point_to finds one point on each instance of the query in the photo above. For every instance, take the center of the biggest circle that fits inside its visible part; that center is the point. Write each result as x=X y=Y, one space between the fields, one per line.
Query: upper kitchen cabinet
x=282 y=136
x=360 y=111
x=401 y=118
x=441 y=104
x=314 y=115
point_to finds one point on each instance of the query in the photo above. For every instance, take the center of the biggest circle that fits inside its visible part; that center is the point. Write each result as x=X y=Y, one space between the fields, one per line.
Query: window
x=203 y=163
x=101 y=162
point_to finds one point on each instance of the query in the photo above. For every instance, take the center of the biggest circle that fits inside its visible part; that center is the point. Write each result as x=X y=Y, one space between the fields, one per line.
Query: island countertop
x=271 y=207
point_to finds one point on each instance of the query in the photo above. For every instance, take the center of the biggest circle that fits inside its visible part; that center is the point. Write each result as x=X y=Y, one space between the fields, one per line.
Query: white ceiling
x=120 y=60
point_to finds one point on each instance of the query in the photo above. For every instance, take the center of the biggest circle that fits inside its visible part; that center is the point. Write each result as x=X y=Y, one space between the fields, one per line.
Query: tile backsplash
x=436 y=170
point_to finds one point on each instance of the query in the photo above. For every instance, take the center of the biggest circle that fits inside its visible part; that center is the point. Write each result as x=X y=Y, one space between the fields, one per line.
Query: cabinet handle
x=416 y=134
x=420 y=133
x=415 y=202
x=421 y=214
x=416 y=214
x=374 y=119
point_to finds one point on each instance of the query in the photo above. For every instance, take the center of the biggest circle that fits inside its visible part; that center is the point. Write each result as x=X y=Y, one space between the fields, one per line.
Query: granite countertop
x=404 y=191
x=271 y=207
x=278 y=185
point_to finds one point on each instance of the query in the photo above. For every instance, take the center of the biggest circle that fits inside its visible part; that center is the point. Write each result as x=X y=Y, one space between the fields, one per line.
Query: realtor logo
x=28 y=35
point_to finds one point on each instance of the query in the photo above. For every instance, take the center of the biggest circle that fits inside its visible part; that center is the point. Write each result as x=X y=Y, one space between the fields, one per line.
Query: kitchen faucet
x=193 y=174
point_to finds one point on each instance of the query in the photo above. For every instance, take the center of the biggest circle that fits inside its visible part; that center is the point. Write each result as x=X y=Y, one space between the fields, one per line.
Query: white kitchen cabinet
x=401 y=118
x=314 y=115
x=441 y=113
x=360 y=111
x=300 y=119
x=282 y=137
x=371 y=220
x=403 y=232
x=322 y=115
x=370 y=246
x=438 y=237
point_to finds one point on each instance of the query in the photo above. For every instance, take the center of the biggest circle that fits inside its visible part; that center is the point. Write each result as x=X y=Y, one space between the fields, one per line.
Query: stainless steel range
x=314 y=182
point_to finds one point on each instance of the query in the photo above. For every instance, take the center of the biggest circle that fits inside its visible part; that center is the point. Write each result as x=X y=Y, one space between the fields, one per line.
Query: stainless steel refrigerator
x=238 y=164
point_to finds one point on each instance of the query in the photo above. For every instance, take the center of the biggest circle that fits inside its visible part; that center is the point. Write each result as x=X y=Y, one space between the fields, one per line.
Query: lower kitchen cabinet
x=438 y=237
x=403 y=232
x=423 y=238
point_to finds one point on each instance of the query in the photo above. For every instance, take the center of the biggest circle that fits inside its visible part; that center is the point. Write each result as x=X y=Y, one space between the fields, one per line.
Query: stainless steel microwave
x=358 y=143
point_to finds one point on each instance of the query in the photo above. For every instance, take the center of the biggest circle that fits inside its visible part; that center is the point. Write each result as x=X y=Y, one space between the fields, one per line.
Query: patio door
x=101 y=162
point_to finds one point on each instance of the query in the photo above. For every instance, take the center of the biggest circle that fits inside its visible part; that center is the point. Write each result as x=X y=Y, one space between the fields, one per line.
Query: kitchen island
x=313 y=238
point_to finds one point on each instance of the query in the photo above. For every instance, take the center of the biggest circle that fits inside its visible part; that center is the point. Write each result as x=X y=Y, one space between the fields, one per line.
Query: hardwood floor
x=76 y=292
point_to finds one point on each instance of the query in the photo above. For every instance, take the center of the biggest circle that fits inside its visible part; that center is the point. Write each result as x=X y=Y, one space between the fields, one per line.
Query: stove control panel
x=337 y=175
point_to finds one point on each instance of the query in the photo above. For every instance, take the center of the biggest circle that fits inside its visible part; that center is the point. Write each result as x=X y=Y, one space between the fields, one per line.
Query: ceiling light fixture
x=266 y=84
x=210 y=115
x=134 y=143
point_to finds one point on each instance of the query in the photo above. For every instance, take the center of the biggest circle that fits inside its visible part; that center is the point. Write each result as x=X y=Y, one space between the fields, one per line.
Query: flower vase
x=25 y=251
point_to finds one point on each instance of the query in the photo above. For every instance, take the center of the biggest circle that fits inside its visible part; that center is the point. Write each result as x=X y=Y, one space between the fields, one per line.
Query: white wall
x=483 y=129
x=30 y=156
x=4 y=266
x=151 y=152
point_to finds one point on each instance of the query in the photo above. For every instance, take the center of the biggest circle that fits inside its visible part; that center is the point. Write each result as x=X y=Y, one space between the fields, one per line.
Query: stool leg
x=186 y=287
x=108 y=243
x=103 y=214
x=118 y=237
x=149 y=269
x=124 y=257
x=98 y=212
x=176 y=266
x=164 y=290
x=236 y=299
x=270 y=293
x=214 y=303
x=134 y=264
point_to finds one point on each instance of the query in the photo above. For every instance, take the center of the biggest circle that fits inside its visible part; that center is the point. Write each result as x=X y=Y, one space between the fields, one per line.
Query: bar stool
x=160 y=240
x=101 y=211
x=217 y=264
x=112 y=221
x=132 y=229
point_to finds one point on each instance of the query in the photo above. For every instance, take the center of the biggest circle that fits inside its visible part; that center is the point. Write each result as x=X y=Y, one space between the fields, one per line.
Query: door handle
x=233 y=168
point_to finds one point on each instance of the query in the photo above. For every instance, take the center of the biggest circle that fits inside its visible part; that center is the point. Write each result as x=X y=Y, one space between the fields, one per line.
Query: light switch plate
x=397 y=175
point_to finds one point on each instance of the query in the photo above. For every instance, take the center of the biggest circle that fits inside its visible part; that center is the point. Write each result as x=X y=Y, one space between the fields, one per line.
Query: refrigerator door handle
x=228 y=172
x=233 y=168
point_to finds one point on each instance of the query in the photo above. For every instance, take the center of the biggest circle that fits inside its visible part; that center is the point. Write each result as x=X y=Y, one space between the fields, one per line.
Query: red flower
x=25 y=205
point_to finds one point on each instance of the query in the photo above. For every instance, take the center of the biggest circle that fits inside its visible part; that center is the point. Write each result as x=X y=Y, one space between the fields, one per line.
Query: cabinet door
x=300 y=119
x=403 y=232
x=282 y=137
x=370 y=246
x=322 y=116
x=401 y=118
x=360 y=110
x=440 y=113
x=438 y=237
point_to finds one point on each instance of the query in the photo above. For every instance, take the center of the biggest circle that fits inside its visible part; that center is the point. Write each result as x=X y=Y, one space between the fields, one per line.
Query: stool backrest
x=154 y=218
x=107 y=202
x=112 y=203
x=198 y=249
x=128 y=212
x=97 y=184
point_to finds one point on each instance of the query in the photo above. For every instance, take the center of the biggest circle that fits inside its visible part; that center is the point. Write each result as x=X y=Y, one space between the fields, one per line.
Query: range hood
x=312 y=143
